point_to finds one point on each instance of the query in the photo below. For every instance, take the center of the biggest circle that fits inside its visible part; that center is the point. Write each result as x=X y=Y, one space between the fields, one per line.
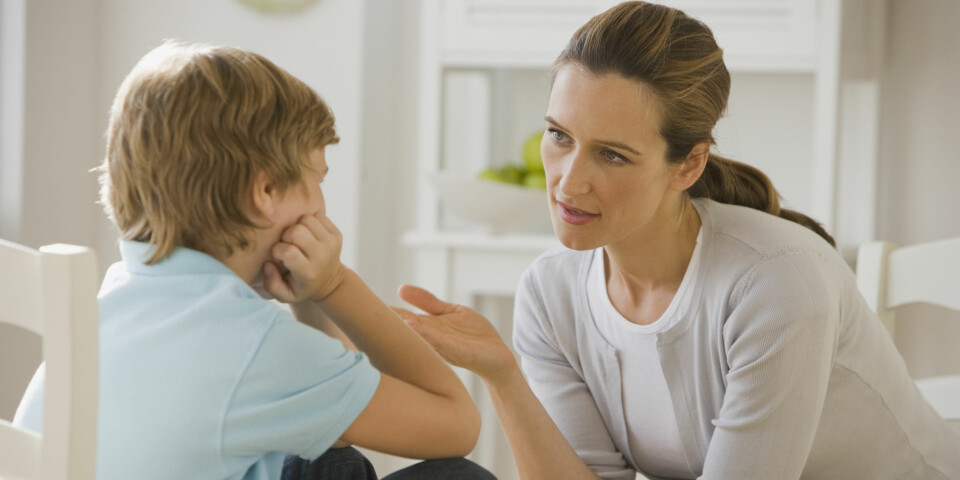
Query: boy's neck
x=248 y=263
x=244 y=266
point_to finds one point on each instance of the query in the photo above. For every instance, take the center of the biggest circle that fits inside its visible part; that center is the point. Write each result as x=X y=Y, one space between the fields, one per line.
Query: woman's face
x=607 y=178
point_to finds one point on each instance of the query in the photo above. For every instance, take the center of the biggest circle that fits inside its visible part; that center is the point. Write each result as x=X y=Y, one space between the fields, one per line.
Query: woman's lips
x=575 y=216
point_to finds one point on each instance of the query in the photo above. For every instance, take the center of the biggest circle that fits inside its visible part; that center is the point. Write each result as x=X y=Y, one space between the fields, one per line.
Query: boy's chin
x=257 y=285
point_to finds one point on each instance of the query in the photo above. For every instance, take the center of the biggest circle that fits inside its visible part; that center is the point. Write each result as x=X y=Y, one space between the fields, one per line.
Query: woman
x=692 y=328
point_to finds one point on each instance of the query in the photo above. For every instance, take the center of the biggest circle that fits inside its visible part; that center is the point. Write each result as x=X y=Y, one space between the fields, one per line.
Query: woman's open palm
x=460 y=335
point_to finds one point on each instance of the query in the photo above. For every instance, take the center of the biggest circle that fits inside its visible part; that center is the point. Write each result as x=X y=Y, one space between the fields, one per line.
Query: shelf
x=527 y=243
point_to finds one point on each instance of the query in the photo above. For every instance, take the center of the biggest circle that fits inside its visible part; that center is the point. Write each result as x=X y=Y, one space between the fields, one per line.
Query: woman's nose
x=575 y=179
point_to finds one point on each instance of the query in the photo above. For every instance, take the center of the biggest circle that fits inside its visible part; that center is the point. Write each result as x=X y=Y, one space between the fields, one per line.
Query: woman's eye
x=557 y=135
x=610 y=156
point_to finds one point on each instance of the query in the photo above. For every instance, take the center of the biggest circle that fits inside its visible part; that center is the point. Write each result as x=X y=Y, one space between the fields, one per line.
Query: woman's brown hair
x=677 y=57
x=190 y=128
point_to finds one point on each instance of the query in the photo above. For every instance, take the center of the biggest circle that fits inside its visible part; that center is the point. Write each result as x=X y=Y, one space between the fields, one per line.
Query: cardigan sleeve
x=779 y=340
x=559 y=387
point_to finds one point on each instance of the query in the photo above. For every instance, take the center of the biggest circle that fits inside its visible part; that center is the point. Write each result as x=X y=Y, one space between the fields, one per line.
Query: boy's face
x=280 y=210
x=305 y=198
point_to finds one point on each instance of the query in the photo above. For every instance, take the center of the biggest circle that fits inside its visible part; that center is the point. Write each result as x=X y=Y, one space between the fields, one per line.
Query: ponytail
x=728 y=181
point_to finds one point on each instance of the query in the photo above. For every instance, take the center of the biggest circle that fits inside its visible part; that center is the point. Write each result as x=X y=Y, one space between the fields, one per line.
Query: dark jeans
x=350 y=464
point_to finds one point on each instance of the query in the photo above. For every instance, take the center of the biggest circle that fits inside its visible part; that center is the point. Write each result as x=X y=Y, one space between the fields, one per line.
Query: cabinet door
x=755 y=34
x=760 y=35
x=509 y=32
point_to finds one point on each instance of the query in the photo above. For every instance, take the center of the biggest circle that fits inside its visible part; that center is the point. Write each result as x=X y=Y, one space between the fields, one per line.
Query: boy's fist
x=307 y=261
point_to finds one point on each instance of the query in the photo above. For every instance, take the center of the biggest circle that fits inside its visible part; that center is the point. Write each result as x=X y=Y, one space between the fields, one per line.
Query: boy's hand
x=307 y=261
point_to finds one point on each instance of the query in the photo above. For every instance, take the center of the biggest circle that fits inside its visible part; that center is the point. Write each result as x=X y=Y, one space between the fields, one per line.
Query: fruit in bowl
x=509 y=197
x=496 y=206
x=529 y=173
x=531 y=153
x=505 y=174
x=535 y=180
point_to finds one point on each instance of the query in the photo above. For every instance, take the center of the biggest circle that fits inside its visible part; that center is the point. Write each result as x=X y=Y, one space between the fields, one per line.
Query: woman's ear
x=263 y=196
x=689 y=171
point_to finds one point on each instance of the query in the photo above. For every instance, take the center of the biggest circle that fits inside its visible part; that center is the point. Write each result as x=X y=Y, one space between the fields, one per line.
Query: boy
x=214 y=162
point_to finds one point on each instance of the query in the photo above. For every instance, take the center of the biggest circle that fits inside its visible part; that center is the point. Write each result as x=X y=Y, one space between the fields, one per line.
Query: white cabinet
x=803 y=109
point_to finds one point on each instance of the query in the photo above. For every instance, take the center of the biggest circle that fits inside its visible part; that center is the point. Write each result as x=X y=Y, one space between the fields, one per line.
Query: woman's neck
x=644 y=271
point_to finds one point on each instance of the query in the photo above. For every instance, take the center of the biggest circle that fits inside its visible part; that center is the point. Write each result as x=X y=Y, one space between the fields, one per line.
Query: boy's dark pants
x=350 y=464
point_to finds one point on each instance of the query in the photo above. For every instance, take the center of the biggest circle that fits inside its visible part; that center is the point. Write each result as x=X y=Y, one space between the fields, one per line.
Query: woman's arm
x=464 y=338
x=420 y=408
x=780 y=341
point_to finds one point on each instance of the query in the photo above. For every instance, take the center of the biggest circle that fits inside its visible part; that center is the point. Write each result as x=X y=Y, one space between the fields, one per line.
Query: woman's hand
x=460 y=335
x=464 y=338
x=306 y=262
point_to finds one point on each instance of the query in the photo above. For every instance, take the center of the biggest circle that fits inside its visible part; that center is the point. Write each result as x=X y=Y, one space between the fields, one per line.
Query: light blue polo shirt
x=200 y=378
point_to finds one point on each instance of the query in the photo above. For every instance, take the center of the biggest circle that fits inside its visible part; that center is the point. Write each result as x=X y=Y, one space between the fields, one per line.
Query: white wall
x=919 y=164
x=53 y=142
x=320 y=44
x=361 y=56
x=76 y=54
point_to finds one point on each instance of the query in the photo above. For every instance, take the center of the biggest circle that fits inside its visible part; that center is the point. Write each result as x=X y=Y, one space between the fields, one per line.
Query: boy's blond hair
x=190 y=128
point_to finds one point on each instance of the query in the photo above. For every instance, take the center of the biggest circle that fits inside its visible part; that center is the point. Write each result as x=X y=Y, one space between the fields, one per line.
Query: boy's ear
x=689 y=171
x=264 y=196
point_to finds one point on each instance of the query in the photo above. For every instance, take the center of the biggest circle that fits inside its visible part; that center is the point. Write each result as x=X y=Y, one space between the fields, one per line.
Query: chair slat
x=22 y=451
x=925 y=273
x=19 y=292
x=53 y=292
x=70 y=399
x=942 y=393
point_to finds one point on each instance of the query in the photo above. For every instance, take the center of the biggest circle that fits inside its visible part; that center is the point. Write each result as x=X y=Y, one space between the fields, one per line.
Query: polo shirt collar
x=181 y=261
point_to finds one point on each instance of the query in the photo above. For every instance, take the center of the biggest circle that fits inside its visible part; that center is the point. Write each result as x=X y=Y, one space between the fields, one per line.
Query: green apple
x=505 y=174
x=535 y=180
x=512 y=174
x=531 y=152
x=492 y=174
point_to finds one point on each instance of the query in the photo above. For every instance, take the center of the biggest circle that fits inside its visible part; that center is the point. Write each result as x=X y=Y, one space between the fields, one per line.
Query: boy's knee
x=443 y=469
x=336 y=463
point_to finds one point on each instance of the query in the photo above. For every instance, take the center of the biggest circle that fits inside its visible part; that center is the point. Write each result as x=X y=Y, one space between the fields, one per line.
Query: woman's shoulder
x=558 y=273
x=559 y=263
x=738 y=230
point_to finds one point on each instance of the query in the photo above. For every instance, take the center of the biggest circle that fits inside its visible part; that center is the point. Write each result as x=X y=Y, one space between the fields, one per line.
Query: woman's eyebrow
x=610 y=143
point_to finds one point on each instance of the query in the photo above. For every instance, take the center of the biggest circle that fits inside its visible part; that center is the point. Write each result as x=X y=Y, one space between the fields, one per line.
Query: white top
x=778 y=370
x=651 y=421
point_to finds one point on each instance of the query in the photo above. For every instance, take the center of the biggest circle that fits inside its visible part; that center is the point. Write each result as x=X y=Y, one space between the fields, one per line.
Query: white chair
x=889 y=277
x=53 y=292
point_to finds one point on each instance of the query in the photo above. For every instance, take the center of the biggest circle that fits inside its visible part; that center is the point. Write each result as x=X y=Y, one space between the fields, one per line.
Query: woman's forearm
x=539 y=448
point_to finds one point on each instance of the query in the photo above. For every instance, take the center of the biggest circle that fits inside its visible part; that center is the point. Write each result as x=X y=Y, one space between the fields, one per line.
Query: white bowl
x=496 y=206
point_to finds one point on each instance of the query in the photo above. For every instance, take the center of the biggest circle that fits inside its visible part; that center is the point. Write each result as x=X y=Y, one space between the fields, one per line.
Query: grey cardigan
x=779 y=370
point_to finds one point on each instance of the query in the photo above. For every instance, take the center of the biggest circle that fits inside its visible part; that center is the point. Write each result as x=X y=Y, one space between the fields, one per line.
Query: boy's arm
x=418 y=391
x=310 y=313
x=420 y=408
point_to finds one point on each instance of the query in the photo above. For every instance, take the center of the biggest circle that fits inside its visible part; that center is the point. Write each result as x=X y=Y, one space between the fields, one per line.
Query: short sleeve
x=300 y=392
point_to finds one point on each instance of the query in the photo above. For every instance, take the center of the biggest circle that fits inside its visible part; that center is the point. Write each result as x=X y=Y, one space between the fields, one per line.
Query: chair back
x=890 y=276
x=53 y=293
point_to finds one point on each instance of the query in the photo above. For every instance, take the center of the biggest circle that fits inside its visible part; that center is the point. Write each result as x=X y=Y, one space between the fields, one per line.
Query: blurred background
x=883 y=166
